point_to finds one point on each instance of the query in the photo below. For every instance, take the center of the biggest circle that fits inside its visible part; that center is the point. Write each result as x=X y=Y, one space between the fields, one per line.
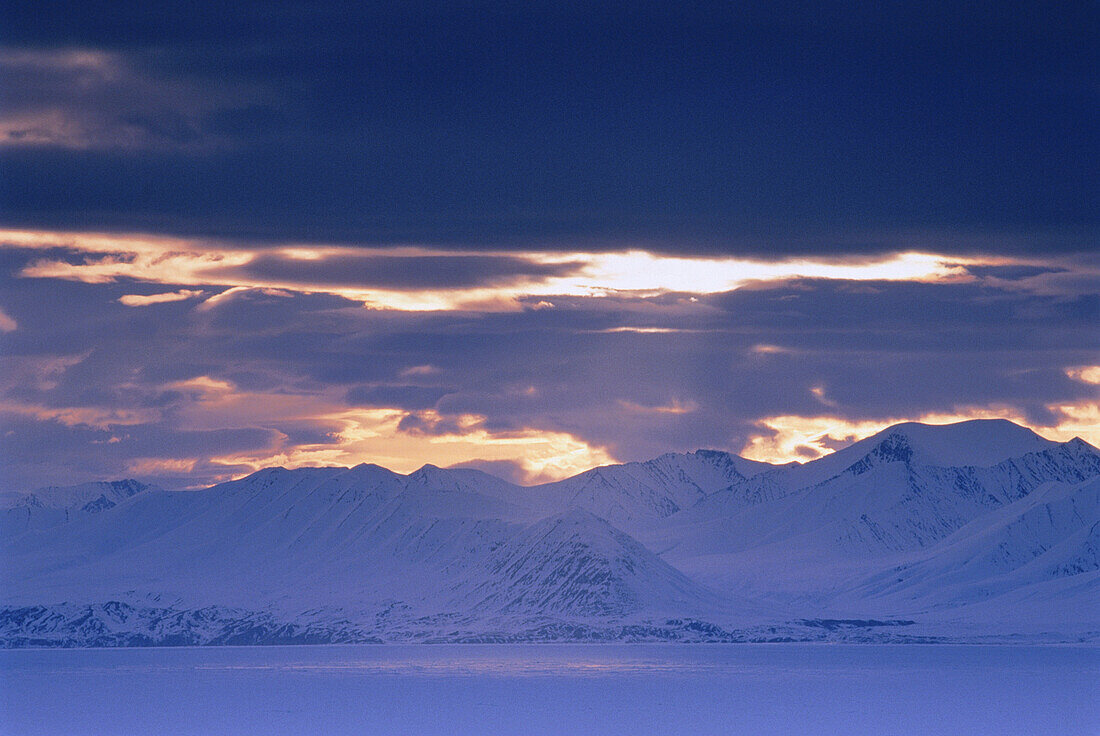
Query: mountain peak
x=895 y=448
x=977 y=442
x=369 y=467
x=429 y=473
x=1079 y=444
x=434 y=477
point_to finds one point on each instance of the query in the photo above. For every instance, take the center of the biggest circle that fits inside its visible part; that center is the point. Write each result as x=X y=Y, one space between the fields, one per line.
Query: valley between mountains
x=980 y=531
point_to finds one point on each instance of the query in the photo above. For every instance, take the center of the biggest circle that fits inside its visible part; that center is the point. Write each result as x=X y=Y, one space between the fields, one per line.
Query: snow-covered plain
x=554 y=689
x=975 y=532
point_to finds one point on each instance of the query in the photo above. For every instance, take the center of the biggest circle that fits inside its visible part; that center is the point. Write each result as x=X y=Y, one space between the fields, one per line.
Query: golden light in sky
x=182 y=262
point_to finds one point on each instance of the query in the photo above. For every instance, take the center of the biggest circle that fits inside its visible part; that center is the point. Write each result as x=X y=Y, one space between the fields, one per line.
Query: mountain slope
x=1053 y=532
x=811 y=541
x=578 y=565
x=637 y=493
x=54 y=505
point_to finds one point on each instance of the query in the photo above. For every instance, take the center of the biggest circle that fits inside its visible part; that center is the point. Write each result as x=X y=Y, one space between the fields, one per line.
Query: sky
x=536 y=237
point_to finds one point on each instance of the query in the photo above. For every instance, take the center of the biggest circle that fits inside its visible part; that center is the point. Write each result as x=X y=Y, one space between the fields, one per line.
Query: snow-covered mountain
x=960 y=532
x=862 y=509
x=578 y=565
x=54 y=505
x=637 y=493
x=1054 y=532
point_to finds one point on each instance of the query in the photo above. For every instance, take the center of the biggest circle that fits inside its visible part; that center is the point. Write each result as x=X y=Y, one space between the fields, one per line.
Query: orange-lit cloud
x=374 y=435
x=1085 y=373
x=83 y=416
x=144 y=300
x=802 y=438
x=1077 y=420
x=819 y=394
x=306 y=420
x=159 y=466
x=763 y=349
x=183 y=262
x=7 y=322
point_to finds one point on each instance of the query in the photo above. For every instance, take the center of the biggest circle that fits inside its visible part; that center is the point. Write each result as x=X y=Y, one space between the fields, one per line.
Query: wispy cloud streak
x=394 y=278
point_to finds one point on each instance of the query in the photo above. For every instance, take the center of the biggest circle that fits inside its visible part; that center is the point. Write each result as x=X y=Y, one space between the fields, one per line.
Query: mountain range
x=971 y=532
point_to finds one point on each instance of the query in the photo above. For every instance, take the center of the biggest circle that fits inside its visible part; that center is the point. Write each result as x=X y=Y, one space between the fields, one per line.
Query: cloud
x=383 y=436
x=311 y=378
x=105 y=418
x=1015 y=272
x=80 y=98
x=510 y=470
x=417 y=279
x=765 y=349
x=155 y=466
x=419 y=272
x=36 y=372
x=419 y=370
x=144 y=300
x=7 y=322
x=674 y=407
x=1086 y=374
x=81 y=453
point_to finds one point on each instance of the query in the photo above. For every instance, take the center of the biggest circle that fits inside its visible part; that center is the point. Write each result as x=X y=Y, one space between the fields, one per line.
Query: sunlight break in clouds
x=373 y=435
x=182 y=262
x=1085 y=373
x=803 y=438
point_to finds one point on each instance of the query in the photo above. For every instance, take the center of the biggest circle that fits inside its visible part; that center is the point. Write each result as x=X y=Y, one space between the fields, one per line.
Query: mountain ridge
x=687 y=546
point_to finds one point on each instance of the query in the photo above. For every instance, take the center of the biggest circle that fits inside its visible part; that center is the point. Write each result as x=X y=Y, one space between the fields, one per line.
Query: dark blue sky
x=474 y=173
